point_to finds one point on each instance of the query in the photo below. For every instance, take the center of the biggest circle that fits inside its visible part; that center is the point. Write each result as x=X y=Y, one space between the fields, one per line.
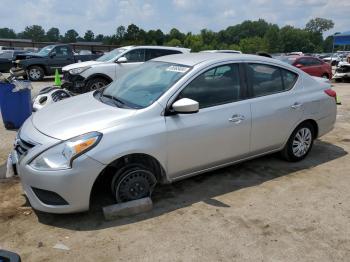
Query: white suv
x=86 y=76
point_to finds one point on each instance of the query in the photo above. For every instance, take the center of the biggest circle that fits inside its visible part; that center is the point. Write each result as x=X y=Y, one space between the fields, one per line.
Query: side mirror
x=122 y=59
x=299 y=65
x=186 y=106
x=52 y=54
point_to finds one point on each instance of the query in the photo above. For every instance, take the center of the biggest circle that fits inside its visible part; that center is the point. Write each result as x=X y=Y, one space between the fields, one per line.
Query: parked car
x=168 y=119
x=92 y=75
x=45 y=62
x=311 y=65
x=342 y=72
x=333 y=59
x=222 y=51
x=6 y=59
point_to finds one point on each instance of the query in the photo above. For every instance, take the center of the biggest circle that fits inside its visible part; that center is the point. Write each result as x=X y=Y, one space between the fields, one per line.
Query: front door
x=62 y=57
x=219 y=133
x=134 y=58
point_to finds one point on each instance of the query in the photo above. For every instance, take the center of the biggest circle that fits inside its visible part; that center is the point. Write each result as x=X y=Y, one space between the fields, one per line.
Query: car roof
x=156 y=47
x=193 y=59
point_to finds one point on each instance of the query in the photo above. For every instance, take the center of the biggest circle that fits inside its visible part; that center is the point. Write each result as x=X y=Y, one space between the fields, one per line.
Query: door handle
x=296 y=106
x=237 y=119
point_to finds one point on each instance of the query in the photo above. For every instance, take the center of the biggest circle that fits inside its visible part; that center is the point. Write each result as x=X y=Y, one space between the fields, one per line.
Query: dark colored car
x=47 y=60
x=309 y=64
x=6 y=59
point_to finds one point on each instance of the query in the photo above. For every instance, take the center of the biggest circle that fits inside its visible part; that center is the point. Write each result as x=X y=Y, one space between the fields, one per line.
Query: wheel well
x=326 y=74
x=41 y=66
x=314 y=125
x=104 y=179
x=107 y=78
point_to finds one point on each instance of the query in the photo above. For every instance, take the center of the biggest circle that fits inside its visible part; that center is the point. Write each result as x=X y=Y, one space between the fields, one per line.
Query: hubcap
x=302 y=142
x=97 y=85
x=34 y=73
x=137 y=184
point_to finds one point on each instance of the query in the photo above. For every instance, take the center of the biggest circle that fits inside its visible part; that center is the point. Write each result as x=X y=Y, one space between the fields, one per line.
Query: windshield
x=111 y=55
x=45 y=50
x=287 y=59
x=145 y=84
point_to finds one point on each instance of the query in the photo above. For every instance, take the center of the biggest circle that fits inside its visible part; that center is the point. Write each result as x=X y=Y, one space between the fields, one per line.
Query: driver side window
x=219 y=85
x=137 y=55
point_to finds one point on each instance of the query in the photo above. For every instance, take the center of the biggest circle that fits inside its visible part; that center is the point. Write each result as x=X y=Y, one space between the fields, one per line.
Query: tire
x=131 y=182
x=325 y=76
x=96 y=83
x=303 y=136
x=35 y=73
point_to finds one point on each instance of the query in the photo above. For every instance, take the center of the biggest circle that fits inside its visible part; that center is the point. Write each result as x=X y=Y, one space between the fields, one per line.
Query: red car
x=309 y=64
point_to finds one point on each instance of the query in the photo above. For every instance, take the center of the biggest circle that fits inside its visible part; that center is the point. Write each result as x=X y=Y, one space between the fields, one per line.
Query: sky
x=104 y=16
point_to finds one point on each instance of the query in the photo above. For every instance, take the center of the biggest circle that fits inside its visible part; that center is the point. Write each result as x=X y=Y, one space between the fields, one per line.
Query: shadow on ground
x=204 y=188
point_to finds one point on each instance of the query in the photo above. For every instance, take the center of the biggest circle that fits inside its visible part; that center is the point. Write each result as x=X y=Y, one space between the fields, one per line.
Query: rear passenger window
x=154 y=53
x=216 y=86
x=266 y=79
x=289 y=79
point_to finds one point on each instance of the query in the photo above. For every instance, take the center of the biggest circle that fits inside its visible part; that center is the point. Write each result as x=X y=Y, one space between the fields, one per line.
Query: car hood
x=78 y=115
x=81 y=64
x=27 y=56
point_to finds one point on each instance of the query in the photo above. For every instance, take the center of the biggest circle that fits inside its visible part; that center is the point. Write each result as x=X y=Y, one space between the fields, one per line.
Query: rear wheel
x=325 y=76
x=132 y=182
x=35 y=73
x=299 y=143
x=96 y=83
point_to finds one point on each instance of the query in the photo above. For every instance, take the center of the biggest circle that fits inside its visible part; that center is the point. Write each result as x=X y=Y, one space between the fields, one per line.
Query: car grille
x=22 y=146
x=343 y=69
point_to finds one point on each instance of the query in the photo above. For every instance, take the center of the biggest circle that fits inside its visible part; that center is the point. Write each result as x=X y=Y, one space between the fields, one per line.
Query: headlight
x=62 y=155
x=79 y=70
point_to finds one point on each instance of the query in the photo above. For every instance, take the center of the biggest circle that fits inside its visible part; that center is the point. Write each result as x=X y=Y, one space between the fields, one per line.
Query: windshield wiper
x=118 y=102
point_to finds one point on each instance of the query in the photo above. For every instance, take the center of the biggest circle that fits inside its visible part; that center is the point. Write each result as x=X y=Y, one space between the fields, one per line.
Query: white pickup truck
x=90 y=75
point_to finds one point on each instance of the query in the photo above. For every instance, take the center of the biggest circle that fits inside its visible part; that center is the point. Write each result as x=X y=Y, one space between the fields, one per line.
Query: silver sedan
x=171 y=118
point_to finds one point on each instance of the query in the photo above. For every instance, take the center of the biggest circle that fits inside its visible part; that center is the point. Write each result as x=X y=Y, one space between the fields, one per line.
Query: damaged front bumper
x=73 y=83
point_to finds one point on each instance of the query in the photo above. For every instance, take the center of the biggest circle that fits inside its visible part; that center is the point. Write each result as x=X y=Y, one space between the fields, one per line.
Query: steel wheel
x=97 y=85
x=134 y=183
x=302 y=142
x=34 y=73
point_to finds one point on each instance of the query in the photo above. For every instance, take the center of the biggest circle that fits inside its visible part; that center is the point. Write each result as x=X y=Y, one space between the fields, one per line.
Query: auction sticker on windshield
x=180 y=69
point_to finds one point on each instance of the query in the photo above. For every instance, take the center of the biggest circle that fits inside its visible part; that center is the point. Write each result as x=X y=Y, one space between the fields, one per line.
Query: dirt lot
x=261 y=210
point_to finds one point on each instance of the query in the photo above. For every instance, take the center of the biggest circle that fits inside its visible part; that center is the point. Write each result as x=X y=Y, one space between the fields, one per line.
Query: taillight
x=331 y=93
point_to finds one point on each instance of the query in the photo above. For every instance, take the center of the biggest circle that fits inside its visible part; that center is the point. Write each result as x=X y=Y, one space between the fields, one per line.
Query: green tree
x=173 y=42
x=319 y=25
x=252 y=45
x=99 y=38
x=194 y=42
x=273 y=39
x=34 y=32
x=70 y=36
x=120 y=34
x=7 y=33
x=53 y=34
x=89 y=36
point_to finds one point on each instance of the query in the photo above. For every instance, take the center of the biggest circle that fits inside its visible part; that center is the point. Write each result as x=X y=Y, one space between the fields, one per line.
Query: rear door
x=135 y=58
x=219 y=132
x=276 y=106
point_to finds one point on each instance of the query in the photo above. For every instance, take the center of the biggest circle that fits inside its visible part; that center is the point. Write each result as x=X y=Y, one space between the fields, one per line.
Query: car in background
x=49 y=59
x=309 y=64
x=6 y=59
x=333 y=59
x=92 y=75
x=170 y=118
x=222 y=51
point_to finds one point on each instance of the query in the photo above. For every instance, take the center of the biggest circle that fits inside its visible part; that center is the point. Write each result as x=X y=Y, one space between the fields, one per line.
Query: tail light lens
x=331 y=93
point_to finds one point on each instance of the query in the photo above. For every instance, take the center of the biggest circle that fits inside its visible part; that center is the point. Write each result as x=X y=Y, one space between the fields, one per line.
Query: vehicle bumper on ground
x=63 y=191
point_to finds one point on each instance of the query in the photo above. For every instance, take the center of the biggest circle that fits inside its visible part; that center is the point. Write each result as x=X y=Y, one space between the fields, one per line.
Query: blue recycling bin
x=16 y=106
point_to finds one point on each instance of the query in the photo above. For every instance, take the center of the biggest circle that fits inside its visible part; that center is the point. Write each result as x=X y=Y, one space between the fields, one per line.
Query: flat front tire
x=299 y=143
x=133 y=182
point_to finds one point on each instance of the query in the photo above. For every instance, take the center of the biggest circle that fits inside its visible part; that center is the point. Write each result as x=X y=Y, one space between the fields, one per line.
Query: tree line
x=248 y=37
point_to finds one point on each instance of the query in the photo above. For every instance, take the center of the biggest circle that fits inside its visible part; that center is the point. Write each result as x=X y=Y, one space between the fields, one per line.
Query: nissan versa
x=171 y=118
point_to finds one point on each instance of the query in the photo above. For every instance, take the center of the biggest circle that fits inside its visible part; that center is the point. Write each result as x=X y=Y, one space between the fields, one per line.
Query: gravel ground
x=261 y=210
